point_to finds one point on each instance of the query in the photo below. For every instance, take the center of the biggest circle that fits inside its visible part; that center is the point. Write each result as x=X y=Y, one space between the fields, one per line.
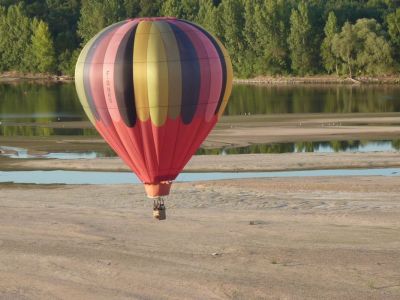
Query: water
x=30 y=102
x=81 y=177
x=17 y=152
x=23 y=105
x=287 y=99
x=318 y=147
x=41 y=103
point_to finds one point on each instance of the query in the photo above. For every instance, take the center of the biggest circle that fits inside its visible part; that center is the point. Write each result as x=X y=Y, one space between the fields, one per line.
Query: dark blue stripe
x=191 y=79
x=221 y=58
x=123 y=78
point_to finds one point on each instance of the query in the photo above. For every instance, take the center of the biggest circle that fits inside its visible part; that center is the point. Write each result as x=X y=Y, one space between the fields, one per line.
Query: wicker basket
x=159 y=213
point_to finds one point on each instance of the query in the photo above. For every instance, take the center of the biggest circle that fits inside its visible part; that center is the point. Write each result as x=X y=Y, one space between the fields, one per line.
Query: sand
x=225 y=163
x=235 y=131
x=239 y=131
x=311 y=238
x=289 y=238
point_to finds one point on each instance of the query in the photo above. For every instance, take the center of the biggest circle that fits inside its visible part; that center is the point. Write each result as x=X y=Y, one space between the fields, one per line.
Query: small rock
x=215 y=254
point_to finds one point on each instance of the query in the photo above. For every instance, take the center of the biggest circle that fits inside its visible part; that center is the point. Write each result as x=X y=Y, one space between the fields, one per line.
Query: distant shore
x=319 y=79
x=315 y=79
x=10 y=77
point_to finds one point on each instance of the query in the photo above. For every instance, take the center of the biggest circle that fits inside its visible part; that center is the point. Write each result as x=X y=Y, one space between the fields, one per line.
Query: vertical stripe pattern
x=159 y=85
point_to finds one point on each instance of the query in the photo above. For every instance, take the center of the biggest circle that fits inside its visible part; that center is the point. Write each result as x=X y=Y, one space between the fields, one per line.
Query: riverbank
x=319 y=79
x=224 y=163
x=234 y=131
x=15 y=77
x=274 y=80
x=304 y=238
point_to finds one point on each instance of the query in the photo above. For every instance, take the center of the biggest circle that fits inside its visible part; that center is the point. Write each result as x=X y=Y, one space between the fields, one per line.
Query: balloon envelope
x=154 y=88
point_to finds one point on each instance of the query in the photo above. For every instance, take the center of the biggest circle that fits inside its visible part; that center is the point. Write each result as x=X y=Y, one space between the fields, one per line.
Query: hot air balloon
x=154 y=88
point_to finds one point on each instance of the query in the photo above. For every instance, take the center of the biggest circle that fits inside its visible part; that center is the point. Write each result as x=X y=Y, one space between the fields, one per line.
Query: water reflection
x=22 y=130
x=30 y=102
x=22 y=153
x=281 y=99
x=320 y=147
x=47 y=103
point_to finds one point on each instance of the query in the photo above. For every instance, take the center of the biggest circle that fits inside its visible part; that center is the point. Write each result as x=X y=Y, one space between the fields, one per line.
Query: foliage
x=43 y=55
x=207 y=17
x=232 y=22
x=362 y=48
x=183 y=9
x=97 y=14
x=263 y=37
x=329 y=59
x=300 y=40
x=393 y=22
x=15 y=41
x=269 y=41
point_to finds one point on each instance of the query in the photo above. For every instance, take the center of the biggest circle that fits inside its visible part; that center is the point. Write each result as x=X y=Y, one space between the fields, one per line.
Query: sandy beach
x=288 y=238
x=310 y=238
x=225 y=163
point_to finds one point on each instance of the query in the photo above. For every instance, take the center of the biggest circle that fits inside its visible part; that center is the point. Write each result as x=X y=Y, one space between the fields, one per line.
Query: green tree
x=393 y=22
x=183 y=9
x=249 y=33
x=362 y=48
x=43 y=53
x=300 y=40
x=232 y=22
x=3 y=37
x=330 y=61
x=208 y=17
x=150 y=8
x=375 y=54
x=97 y=14
x=15 y=38
x=132 y=8
x=68 y=61
x=271 y=36
x=344 y=46
x=62 y=17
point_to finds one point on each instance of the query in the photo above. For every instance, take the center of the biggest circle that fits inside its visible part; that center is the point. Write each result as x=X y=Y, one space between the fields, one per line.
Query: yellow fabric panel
x=229 y=79
x=140 y=70
x=174 y=69
x=157 y=77
x=80 y=89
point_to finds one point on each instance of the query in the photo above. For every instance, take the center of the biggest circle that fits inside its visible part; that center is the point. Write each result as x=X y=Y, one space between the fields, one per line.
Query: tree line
x=263 y=37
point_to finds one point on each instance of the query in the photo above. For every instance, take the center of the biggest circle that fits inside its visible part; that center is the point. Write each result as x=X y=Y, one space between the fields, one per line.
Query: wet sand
x=292 y=238
x=235 y=131
x=289 y=238
x=224 y=163
x=232 y=132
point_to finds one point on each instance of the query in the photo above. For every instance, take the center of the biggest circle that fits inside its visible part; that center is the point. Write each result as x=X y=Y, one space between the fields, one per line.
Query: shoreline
x=223 y=163
x=237 y=131
x=318 y=79
x=13 y=77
